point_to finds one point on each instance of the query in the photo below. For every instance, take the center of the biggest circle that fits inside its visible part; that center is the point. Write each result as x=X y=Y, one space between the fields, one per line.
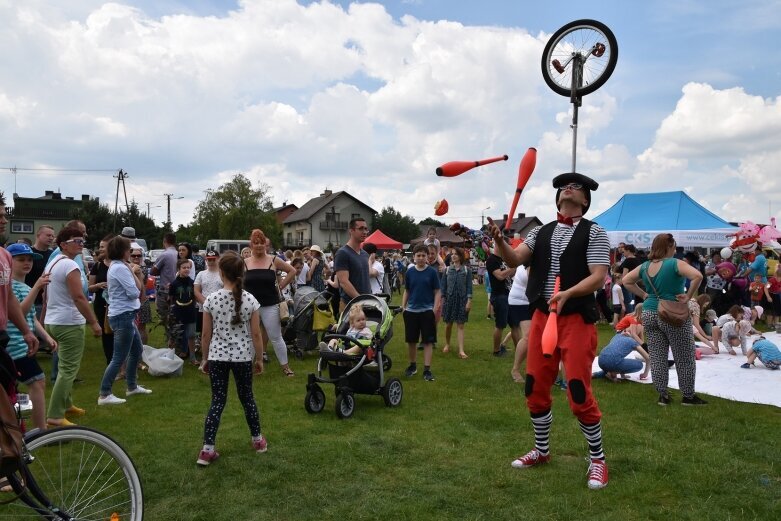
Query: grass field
x=444 y=453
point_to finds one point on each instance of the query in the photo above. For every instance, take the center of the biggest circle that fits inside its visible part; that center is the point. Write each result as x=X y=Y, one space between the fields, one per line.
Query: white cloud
x=316 y=96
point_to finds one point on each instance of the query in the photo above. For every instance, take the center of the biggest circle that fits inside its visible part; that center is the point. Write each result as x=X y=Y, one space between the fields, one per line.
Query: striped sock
x=593 y=434
x=542 y=424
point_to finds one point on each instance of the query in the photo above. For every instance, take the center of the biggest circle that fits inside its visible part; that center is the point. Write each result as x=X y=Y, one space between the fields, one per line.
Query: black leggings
x=218 y=374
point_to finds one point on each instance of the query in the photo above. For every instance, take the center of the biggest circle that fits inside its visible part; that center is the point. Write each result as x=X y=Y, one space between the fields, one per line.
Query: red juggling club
x=525 y=170
x=454 y=168
x=550 y=335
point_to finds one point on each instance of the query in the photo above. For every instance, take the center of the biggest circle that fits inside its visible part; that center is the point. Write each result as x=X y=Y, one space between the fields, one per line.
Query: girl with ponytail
x=231 y=335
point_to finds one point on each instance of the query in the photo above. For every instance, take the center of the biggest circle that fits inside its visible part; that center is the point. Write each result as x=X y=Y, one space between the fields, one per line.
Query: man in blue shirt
x=351 y=264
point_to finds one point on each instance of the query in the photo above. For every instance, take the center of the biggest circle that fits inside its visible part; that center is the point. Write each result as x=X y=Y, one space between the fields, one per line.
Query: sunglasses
x=572 y=186
x=136 y=256
x=80 y=242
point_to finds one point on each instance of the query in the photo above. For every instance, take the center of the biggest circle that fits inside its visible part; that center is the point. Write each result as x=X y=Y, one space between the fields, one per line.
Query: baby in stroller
x=358 y=331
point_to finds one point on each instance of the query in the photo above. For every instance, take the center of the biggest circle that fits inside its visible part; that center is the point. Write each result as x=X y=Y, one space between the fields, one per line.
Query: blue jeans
x=623 y=366
x=127 y=346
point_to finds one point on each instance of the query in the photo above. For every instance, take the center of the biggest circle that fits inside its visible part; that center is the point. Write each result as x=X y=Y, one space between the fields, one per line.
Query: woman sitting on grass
x=231 y=333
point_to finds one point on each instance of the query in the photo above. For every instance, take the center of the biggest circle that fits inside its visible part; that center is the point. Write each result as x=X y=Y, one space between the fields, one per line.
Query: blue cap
x=20 y=248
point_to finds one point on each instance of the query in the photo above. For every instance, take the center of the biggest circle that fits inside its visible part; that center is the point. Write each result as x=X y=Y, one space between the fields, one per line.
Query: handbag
x=106 y=325
x=45 y=296
x=673 y=312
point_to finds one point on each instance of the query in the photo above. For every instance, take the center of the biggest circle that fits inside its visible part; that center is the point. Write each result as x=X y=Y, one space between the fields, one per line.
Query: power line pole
x=168 y=199
x=121 y=176
x=148 y=206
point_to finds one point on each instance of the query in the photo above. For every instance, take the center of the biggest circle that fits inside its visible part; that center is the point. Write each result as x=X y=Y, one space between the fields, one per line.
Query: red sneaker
x=532 y=458
x=261 y=445
x=597 y=474
x=205 y=457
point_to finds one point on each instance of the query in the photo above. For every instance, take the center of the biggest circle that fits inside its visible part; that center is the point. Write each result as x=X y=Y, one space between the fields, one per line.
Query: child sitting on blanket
x=709 y=322
x=766 y=351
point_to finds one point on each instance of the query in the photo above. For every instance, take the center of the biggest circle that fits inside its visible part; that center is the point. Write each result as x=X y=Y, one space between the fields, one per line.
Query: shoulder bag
x=45 y=296
x=673 y=312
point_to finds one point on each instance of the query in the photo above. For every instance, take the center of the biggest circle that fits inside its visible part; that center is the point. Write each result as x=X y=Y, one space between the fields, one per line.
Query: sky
x=370 y=97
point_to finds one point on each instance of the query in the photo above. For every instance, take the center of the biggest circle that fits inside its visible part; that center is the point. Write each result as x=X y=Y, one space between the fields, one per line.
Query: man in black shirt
x=630 y=263
x=44 y=240
x=498 y=276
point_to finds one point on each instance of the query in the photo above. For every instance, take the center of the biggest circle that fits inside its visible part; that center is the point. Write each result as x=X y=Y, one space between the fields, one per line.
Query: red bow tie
x=569 y=221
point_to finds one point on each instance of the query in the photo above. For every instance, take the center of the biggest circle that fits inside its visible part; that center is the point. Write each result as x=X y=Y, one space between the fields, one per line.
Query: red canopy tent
x=382 y=241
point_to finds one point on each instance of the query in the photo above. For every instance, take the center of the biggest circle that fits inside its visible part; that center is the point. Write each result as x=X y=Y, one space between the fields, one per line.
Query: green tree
x=233 y=210
x=394 y=225
x=145 y=226
x=430 y=221
x=98 y=219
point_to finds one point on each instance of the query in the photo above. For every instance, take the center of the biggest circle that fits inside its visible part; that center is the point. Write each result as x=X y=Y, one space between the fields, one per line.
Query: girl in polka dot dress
x=231 y=334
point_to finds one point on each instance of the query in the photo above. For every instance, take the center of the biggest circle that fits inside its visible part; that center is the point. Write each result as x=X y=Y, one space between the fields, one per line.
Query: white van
x=223 y=245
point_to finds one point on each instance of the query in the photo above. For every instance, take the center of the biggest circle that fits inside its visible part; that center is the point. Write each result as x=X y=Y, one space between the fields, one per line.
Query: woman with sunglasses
x=66 y=312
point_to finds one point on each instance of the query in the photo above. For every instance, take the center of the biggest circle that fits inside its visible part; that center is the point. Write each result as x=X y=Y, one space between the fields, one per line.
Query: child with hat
x=30 y=373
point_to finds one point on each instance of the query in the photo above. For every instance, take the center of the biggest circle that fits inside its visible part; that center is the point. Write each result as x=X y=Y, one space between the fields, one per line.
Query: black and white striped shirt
x=598 y=252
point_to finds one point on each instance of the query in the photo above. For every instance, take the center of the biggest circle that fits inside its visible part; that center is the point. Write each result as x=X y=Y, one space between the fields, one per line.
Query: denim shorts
x=29 y=370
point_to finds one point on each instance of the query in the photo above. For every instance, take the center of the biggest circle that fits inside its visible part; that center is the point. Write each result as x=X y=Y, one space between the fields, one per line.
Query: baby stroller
x=363 y=373
x=311 y=314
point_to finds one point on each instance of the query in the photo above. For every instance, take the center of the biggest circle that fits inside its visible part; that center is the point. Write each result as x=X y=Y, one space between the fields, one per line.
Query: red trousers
x=576 y=348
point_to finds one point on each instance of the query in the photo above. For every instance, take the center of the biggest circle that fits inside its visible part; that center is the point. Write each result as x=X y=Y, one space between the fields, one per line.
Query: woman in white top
x=231 y=335
x=67 y=310
x=519 y=311
x=125 y=284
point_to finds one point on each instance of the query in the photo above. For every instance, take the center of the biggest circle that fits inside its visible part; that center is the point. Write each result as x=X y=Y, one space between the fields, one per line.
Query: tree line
x=227 y=212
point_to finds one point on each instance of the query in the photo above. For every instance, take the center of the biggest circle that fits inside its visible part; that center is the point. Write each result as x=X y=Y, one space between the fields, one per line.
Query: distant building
x=324 y=220
x=284 y=211
x=521 y=224
x=30 y=213
x=444 y=235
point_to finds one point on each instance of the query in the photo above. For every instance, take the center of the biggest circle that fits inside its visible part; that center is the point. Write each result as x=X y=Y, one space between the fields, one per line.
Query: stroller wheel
x=314 y=400
x=299 y=354
x=393 y=392
x=345 y=405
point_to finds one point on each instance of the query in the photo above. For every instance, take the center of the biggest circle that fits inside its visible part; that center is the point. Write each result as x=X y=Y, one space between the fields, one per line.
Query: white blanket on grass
x=721 y=375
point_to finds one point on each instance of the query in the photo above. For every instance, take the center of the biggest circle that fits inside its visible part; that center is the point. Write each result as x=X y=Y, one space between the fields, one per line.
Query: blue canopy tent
x=638 y=218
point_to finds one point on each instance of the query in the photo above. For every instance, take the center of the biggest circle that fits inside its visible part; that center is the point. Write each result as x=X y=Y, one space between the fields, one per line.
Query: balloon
x=726 y=253
x=441 y=207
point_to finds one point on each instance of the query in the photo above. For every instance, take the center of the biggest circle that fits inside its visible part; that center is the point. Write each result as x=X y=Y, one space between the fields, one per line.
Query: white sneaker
x=138 y=390
x=110 y=400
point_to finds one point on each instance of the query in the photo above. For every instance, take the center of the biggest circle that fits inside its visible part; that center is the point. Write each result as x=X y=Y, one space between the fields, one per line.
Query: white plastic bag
x=162 y=362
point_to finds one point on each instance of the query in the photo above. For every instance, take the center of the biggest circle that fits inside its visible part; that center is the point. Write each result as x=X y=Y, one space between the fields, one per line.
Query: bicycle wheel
x=83 y=473
x=592 y=43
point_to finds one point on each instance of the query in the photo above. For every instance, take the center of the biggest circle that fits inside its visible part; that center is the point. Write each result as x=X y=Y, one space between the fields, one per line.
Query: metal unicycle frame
x=577 y=60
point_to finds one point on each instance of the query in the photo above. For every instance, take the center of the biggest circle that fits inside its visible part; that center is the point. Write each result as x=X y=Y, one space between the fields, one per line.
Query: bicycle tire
x=558 y=82
x=91 y=470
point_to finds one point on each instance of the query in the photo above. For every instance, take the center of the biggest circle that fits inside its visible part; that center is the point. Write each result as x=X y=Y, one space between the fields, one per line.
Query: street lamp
x=482 y=216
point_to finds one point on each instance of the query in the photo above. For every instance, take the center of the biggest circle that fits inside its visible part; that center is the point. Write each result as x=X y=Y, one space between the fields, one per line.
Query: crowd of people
x=220 y=311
